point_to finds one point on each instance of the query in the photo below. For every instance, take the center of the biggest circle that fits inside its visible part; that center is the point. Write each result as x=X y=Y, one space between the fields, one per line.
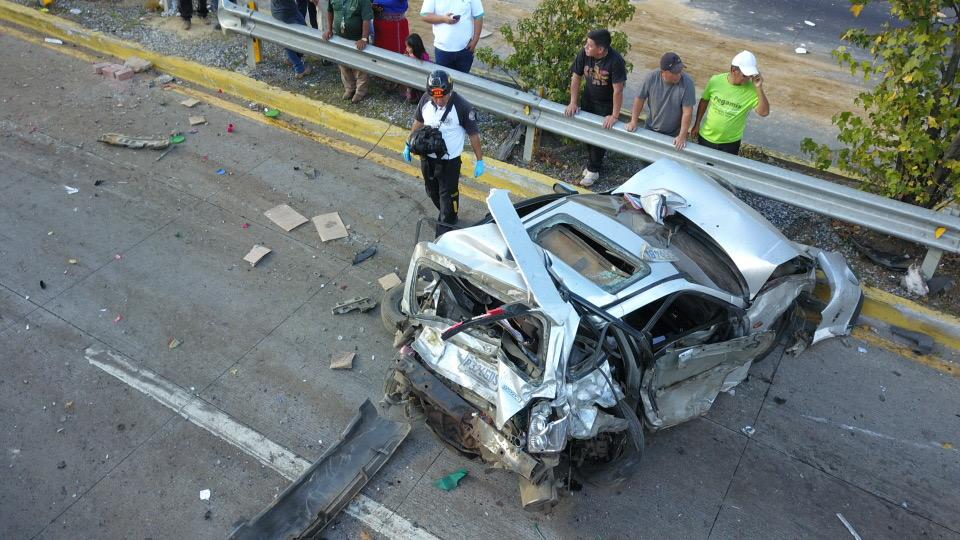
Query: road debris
x=197 y=120
x=71 y=190
x=800 y=50
x=174 y=343
x=204 y=494
x=62 y=465
x=177 y=138
x=389 y=281
x=42 y=284
x=137 y=64
x=913 y=282
x=748 y=430
x=230 y=128
x=245 y=226
x=363 y=304
x=54 y=41
x=68 y=406
x=342 y=360
x=364 y=255
x=891 y=261
x=451 y=481
x=190 y=103
x=72 y=261
x=315 y=498
x=809 y=23
x=162 y=80
x=920 y=343
x=118 y=139
x=117 y=319
x=311 y=173
x=329 y=226
x=271 y=113
x=862 y=350
x=285 y=217
x=849 y=527
x=256 y=253
x=221 y=172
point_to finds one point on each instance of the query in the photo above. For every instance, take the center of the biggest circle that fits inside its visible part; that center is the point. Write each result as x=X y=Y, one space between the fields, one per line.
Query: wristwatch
x=365 y=40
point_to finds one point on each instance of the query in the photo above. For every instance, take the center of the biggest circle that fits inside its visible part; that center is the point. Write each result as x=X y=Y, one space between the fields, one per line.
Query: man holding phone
x=456 y=30
x=727 y=100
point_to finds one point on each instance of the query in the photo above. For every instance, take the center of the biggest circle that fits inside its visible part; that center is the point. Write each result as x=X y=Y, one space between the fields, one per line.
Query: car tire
x=390 y=312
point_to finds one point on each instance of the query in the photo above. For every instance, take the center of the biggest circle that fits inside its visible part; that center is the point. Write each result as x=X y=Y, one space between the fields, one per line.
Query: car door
x=699 y=349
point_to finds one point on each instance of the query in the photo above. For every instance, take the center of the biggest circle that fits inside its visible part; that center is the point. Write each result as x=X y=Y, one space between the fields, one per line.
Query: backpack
x=428 y=139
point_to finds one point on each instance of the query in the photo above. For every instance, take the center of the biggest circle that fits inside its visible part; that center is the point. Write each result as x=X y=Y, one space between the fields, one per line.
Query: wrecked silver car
x=560 y=329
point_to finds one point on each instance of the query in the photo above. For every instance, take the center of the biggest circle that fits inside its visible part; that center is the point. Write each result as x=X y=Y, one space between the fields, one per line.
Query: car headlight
x=544 y=435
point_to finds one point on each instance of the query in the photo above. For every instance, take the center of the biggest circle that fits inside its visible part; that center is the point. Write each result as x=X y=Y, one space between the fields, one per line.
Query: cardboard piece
x=287 y=218
x=329 y=226
x=342 y=360
x=197 y=120
x=190 y=102
x=256 y=253
x=389 y=281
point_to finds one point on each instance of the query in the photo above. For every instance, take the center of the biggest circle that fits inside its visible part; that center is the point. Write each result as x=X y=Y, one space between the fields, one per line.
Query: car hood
x=752 y=242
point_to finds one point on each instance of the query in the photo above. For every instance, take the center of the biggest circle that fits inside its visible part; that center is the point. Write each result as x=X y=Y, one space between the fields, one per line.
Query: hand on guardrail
x=571 y=109
x=680 y=141
x=406 y=153
x=609 y=121
x=327 y=35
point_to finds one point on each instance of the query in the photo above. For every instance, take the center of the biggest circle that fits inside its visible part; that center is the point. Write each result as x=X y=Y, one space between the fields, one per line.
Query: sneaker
x=347 y=94
x=589 y=178
x=186 y=24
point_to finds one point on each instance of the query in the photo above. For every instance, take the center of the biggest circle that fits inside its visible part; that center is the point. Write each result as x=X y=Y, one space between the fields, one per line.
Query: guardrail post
x=930 y=262
x=254 y=53
x=531 y=139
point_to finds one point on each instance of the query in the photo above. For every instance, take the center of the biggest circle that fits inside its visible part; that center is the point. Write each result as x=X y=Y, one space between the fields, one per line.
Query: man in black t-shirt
x=605 y=72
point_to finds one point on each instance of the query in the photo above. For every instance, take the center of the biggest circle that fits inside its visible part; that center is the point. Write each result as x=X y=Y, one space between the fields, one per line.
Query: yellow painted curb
x=892 y=309
x=522 y=182
x=878 y=304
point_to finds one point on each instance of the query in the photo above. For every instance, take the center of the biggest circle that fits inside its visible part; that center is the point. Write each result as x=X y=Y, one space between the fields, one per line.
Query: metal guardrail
x=874 y=212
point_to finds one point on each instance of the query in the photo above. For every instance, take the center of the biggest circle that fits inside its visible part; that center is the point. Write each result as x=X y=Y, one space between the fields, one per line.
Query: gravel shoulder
x=130 y=20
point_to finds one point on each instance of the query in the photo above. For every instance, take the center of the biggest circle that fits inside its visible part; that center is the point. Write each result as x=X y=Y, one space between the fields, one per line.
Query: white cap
x=747 y=63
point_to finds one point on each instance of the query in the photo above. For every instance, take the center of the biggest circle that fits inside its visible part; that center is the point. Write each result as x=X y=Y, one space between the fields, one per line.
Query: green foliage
x=906 y=142
x=546 y=43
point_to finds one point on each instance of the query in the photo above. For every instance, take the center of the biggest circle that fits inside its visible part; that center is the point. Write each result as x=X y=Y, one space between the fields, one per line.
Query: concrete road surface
x=108 y=432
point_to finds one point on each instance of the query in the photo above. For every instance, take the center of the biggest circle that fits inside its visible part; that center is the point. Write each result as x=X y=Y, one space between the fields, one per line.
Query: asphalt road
x=153 y=253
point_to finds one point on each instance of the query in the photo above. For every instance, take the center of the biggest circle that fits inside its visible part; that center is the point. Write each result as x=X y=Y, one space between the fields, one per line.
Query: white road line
x=289 y=465
x=925 y=446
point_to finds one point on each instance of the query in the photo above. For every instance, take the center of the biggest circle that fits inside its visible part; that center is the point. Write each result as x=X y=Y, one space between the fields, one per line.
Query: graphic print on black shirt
x=601 y=74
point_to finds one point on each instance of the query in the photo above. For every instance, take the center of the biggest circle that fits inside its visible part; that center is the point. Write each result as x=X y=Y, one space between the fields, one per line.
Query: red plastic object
x=230 y=128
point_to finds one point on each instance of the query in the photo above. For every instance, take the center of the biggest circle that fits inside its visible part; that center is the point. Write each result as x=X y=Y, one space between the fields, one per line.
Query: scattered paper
x=389 y=281
x=329 y=226
x=861 y=350
x=55 y=41
x=197 y=120
x=809 y=23
x=204 y=494
x=76 y=11
x=285 y=217
x=71 y=190
x=256 y=253
x=800 y=50
x=342 y=360
x=190 y=102
x=748 y=430
x=173 y=343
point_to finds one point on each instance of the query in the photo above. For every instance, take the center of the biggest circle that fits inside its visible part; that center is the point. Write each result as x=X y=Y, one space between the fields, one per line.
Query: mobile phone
x=456 y=17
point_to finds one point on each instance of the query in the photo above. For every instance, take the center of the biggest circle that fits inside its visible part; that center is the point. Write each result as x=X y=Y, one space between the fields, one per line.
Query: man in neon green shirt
x=727 y=100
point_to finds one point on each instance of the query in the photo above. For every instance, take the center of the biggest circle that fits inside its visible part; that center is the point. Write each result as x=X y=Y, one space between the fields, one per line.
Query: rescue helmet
x=439 y=84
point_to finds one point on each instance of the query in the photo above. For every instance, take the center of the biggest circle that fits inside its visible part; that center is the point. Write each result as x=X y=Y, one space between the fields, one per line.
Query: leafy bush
x=906 y=145
x=546 y=43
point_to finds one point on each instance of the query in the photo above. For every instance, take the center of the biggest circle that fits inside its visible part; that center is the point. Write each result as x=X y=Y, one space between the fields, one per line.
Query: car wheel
x=390 y=312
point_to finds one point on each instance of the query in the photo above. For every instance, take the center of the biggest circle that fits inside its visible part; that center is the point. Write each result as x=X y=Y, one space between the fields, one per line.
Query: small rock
x=62 y=465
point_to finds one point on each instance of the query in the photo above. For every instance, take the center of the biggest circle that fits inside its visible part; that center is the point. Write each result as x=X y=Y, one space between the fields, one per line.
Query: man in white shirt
x=456 y=30
x=453 y=115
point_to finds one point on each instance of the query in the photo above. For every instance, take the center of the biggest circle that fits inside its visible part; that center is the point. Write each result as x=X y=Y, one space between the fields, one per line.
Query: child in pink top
x=415 y=49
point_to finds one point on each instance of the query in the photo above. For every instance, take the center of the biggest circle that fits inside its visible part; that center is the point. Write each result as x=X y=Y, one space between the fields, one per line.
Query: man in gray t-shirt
x=671 y=95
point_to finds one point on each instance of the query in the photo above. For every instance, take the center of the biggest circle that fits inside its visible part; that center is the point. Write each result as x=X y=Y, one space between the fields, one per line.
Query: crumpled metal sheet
x=503 y=451
x=314 y=499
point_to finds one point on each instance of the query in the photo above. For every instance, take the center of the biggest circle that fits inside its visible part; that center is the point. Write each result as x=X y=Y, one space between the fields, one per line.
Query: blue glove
x=406 y=153
x=479 y=169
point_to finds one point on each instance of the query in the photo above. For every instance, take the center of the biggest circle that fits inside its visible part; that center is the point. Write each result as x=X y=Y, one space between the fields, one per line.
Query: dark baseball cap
x=671 y=62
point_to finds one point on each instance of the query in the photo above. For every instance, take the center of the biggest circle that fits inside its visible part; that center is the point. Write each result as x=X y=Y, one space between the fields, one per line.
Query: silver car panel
x=752 y=242
x=845 y=295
